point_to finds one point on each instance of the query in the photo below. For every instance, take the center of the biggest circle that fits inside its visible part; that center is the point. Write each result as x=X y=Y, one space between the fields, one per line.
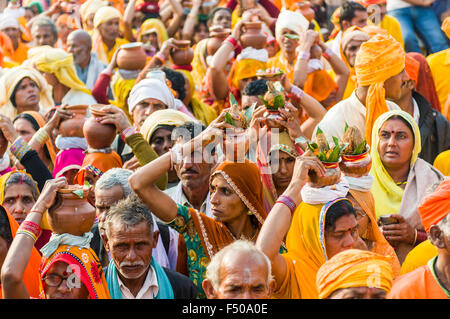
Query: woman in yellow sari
x=400 y=178
x=11 y=84
x=153 y=31
x=315 y=233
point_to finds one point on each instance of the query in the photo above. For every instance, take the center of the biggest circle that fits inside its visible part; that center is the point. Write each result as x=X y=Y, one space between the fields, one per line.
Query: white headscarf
x=291 y=20
x=151 y=89
x=8 y=21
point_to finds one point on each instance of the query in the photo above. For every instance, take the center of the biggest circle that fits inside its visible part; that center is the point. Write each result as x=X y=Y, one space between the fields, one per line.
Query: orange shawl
x=425 y=82
x=381 y=246
x=98 y=163
x=245 y=179
x=41 y=121
x=31 y=275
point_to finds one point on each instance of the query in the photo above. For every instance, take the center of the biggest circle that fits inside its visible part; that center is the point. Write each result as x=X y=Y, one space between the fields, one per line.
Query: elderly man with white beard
x=133 y=273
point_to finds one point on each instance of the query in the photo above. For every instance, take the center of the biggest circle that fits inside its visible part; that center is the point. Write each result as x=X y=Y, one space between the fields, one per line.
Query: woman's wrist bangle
x=286 y=200
x=328 y=53
x=176 y=155
x=160 y=56
x=232 y=40
x=29 y=228
x=19 y=148
x=304 y=55
x=41 y=136
x=128 y=132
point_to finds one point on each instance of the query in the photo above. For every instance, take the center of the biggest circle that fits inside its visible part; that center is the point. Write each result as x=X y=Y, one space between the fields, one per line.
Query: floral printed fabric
x=197 y=257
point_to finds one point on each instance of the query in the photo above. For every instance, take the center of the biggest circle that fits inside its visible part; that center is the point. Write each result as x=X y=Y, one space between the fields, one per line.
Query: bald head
x=79 y=43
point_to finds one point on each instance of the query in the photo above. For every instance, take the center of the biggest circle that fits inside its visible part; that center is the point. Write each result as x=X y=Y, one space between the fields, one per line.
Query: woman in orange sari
x=69 y=272
x=8 y=230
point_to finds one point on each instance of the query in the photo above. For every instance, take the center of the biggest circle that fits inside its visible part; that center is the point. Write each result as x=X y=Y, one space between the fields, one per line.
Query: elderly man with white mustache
x=133 y=273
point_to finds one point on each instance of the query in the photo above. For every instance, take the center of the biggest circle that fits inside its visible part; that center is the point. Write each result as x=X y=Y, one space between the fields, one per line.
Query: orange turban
x=366 y=3
x=412 y=68
x=373 y=30
x=376 y=61
x=446 y=26
x=436 y=205
x=354 y=268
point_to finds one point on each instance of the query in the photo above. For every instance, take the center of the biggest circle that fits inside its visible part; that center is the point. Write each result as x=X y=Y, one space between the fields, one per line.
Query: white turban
x=8 y=21
x=151 y=89
x=294 y=21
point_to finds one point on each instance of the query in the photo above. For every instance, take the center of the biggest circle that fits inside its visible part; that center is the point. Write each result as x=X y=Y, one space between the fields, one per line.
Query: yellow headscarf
x=4 y=179
x=442 y=162
x=388 y=195
x=121 y=88
x=163 y=117
x=154 y=25
x=9 y=81
x=202 y=112
x=58 y=62
x=376 y=61
x=305 y=242
x=354 y=268
x=89 y=7
x=102 y=15
x=199 y=65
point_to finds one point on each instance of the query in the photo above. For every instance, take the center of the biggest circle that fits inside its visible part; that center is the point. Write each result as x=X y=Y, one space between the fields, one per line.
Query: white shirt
x=178 y=196
x=77 y=97
x=397 y=4
x=416 y=111
x=149 y=289
x=350 y=111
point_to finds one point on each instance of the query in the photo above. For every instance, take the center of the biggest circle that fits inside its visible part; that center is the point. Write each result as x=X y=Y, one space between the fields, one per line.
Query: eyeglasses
x=55 y=280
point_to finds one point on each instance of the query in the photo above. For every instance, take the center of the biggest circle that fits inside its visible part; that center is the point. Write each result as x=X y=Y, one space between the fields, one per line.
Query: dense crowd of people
x=229 y=149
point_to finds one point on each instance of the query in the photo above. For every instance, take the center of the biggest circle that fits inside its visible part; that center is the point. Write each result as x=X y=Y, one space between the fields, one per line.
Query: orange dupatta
x=31 y=275
x=381 y=246
x=98 y=163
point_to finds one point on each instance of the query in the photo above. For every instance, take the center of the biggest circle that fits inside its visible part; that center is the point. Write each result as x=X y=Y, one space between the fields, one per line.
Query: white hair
x=244 y=246
x=115 y=176
x=444 y=225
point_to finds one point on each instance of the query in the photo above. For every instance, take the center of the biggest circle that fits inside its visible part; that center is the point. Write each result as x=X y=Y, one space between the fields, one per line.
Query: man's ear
x=436 y=236
x=155 y=238
x=209 y=289
x=105 y=241
x=345 y=25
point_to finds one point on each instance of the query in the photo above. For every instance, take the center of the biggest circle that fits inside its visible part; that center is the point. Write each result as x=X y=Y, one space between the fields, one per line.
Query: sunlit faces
x=243 y=276
x=161 y=140
x=351 y=50
x=394 y=85
x=288 y=45
x=143 y=109
x=27 y=95
x=109 y=30
x=60 y=282
x=222 y=18
x=104 y=199
x=282 y=168
x=131 y=248
x=358 y=293
x=343 y=236
x=396 y=143
x=43 y=35
x=226 y=205
x=18 y=201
